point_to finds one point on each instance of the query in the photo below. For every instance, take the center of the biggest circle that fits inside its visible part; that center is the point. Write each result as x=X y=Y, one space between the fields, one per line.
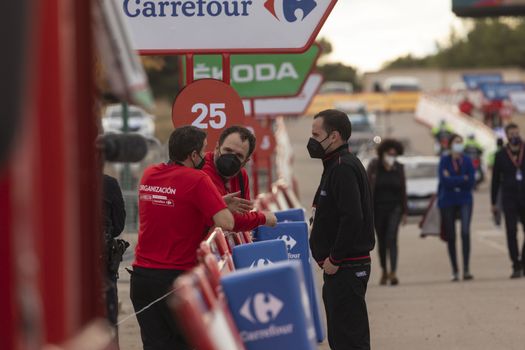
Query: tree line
x=488 y=43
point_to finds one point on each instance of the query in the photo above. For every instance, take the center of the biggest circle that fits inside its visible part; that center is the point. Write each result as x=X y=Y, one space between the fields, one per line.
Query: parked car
x=422 y=181
x=364 y=134
x=401 y=84
x=336 y=87
x=139 y=121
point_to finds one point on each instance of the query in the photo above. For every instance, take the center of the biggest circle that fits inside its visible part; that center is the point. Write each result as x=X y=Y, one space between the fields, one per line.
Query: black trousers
x=111 y=292
x=387 y=220
x=514 y=211
x=345 y=305
x=158 y=328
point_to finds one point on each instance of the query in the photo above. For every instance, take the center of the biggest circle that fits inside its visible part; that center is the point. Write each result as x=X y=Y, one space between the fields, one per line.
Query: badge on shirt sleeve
x=519 y=175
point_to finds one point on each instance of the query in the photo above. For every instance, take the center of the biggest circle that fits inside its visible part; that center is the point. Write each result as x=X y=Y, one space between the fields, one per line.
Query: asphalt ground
x=426 y=310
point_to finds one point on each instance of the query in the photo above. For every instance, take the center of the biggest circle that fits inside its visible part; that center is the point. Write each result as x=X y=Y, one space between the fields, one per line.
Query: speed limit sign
x=208 y=104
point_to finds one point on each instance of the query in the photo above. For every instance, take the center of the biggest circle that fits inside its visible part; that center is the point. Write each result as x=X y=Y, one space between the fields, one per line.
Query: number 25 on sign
x=215 y=113
x=210 y=105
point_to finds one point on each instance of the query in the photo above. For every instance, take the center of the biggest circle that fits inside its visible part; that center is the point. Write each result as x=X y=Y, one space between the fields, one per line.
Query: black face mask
x=516 y=140
x=200 y=165
x=316 y=149
x=228 y=165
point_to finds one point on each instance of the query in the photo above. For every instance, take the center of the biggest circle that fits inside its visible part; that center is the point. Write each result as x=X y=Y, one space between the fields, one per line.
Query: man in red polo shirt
x=177 y=204
x=225 y=169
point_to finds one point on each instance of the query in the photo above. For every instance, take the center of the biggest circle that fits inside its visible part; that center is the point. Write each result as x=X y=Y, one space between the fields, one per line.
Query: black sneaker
x=455 y=277
x=516 y=273
x=467 y=276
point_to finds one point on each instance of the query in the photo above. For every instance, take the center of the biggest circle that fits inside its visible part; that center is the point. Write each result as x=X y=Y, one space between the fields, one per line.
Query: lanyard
x=457 y=165
x=517 y=162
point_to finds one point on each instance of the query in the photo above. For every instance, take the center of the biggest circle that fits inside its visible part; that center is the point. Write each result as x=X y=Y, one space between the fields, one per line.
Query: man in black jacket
x=508 y=173
x=113 y=225
x=342 y=231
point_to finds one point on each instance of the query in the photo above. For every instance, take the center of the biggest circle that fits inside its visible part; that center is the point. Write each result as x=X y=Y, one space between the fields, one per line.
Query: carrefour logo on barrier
x=260 y=263
x=290 y=244
x=262 y=309
x=290 y=8
x=280 y=9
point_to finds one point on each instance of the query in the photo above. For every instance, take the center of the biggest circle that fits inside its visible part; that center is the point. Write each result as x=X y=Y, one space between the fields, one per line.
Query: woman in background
x=388 y=185
x=456 y=183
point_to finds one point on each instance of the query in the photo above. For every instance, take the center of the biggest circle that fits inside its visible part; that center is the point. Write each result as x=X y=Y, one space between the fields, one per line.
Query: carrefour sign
x=240 y=26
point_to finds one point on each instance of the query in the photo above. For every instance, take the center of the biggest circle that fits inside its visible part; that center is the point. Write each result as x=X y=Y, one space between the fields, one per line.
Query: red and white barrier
x=289 y=195
x=202 y=311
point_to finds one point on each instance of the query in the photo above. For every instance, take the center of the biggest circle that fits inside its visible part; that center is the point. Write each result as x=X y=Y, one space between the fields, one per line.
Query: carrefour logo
x=289 y=241
x=186 y=8
x=289 y=9
x=290 y=244
x=262 y=308
x=260 y=263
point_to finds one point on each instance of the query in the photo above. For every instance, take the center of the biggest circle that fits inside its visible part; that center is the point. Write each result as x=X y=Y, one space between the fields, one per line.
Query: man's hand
x=271 y=219
x=236 y=204
x=329 y=268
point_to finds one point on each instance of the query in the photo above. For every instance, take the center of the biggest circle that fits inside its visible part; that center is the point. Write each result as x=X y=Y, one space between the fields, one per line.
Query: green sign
x=484 y=8
x=252 y=76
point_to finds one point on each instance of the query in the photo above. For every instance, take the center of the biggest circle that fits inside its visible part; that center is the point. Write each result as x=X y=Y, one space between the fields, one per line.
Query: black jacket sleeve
x=496 y=178
x=347 y=196
x=114 y=209
x=404 y=188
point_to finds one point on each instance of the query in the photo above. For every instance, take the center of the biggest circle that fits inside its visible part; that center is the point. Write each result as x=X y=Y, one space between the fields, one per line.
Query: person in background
x=441 y=134
x=474 y=150
x=507 y=179
x=342 y=231
x=177 y=205
x=114 y=215
x=466 y=107
x=456 y=183
x=388 y=184
x=225 y=167
x=496 y=214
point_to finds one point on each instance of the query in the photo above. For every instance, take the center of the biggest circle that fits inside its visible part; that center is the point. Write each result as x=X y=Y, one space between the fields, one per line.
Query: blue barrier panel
x=259 y=254
x=290 y=215
x=270 y=307
x=295 y=236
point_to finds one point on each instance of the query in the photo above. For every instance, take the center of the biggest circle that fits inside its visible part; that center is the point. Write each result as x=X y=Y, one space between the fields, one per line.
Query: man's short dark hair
x=388 y=144
x=243 y=132
x=183 y=141
x=511 y=126
x=335 y=120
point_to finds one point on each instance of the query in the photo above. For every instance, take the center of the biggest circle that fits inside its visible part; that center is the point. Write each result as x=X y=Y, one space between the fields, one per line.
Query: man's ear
x=335 y=136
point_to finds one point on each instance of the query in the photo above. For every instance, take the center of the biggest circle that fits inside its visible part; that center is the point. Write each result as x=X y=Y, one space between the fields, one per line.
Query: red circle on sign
x=208 y=104
x=265 y=138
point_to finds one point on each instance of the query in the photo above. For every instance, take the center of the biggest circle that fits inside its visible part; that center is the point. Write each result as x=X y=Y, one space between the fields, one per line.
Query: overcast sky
x=366 y=33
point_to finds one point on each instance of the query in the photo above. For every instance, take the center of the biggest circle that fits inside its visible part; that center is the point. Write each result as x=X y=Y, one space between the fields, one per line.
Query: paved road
x=426 y=311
